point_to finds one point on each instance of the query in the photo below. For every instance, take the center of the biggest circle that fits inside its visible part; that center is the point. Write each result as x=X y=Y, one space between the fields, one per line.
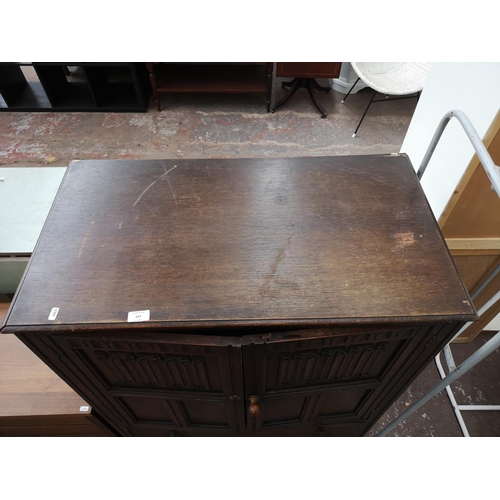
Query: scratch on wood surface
x=143 y=193
x=168 y=171
x=120 y=225
x=377 y=178
x=271 y=274
x=85 y=239
x=162 y=176
x=171 y=190
x=367 y=173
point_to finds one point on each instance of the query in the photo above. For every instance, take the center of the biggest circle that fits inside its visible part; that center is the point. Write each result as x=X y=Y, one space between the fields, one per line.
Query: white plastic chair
x=405 y=79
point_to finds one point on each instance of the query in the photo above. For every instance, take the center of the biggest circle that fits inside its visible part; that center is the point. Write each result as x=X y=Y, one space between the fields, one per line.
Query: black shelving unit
x=105 y=87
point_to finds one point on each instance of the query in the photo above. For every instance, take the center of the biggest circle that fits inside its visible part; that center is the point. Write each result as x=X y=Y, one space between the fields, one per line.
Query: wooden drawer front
x=308 y=69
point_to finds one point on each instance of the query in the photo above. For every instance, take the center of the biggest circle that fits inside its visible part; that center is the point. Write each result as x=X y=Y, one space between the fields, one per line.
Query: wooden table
x=295 y=296
x=34 y=401
x=304 y=76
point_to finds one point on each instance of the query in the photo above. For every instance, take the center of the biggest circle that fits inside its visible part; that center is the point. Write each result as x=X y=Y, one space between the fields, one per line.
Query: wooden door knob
x=254 y=408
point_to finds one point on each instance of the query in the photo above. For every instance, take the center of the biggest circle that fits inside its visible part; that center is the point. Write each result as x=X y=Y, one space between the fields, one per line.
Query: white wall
x=346 y=80
x=473 y=88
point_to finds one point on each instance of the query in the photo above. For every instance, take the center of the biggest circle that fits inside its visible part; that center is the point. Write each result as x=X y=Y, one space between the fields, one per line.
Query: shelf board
x=213 y=78
x=16 y=63
x=75 y=95
x=118 y=96
x=76 y=64
x=102 y=87
x=31 y=97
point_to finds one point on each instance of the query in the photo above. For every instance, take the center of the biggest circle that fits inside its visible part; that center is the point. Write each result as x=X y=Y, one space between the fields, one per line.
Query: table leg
x=152 y=77
x=319 y=87
x=288 y=84
x=309 y=87
x=297 y=84
x=308 y=83
x=269 y=69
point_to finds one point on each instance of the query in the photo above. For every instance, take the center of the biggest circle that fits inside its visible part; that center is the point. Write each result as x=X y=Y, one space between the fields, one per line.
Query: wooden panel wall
x=471 y=225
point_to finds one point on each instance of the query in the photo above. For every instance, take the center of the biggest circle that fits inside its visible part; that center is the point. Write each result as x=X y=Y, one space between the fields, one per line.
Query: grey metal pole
x=486 y=282
x=469 y=363
x=491 y=169
x=435 y=390
x=493 y=173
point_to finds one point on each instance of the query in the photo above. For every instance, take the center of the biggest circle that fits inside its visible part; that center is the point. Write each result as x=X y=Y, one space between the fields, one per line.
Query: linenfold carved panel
x=136 y=346
x=143 y=364
x=324 y=341
x=156 y=370
x=329 y=365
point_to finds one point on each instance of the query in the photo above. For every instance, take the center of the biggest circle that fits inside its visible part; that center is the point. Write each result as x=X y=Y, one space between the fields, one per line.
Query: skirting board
x=343 y=86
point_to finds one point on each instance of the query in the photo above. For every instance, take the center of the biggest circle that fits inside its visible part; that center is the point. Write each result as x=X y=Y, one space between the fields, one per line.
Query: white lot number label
x=136 y=316
x=53 y=313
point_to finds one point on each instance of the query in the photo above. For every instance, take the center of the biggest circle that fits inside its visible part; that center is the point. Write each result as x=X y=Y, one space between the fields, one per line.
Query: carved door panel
x=315 y=382
x=166 y=386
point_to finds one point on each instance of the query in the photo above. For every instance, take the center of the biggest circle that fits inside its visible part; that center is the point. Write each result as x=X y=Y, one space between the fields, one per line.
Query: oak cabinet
x=276 y=297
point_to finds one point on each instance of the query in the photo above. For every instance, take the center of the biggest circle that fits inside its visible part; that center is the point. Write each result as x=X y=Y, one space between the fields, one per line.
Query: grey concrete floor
x=211 y=126
x=208 y=126
x=479 y=386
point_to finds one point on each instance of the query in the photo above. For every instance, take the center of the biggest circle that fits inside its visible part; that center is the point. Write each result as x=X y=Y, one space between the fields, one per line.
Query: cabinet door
x=172 y=385
x=315 y=382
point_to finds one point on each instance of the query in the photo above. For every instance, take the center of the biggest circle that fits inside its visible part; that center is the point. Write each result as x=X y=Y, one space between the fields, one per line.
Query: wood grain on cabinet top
x=322 y=240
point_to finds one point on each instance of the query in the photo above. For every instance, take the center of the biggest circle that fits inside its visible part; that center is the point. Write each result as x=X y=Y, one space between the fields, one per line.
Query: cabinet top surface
x=244 y=241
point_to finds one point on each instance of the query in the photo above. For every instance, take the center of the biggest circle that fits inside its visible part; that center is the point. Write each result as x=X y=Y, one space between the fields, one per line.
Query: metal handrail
x=492 y=170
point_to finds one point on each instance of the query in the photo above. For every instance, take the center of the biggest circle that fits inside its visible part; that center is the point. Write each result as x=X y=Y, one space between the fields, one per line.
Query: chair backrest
x=393 y=78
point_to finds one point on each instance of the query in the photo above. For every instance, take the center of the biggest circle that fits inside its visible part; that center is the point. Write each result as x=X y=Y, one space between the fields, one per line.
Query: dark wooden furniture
x=34 y=401
x=210 y=78
x=305 y=75
x=295 y=296
x=105 y=87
